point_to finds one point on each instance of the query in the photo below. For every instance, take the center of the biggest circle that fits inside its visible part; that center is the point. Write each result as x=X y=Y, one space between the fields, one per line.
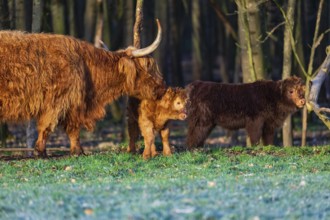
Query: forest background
x=230 y=41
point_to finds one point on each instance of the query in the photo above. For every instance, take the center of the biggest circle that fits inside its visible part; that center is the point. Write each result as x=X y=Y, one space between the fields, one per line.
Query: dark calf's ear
x=127 y=66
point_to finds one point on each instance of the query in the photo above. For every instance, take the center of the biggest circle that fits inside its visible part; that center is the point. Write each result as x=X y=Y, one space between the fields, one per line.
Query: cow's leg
x=73 y=134
x=166 y=145
x=40 y=147
x=46 y=124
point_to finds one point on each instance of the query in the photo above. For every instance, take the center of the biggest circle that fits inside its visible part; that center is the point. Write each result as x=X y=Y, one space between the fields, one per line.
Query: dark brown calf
x=259 y=107
x=61 y=80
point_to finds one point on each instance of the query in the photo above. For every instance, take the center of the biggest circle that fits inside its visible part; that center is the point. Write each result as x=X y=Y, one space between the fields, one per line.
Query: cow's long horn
x=152 y=47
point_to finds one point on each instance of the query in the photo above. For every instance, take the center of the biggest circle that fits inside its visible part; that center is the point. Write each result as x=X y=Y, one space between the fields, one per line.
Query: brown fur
x=59 y=79
x=152 y=117
x=259 y=107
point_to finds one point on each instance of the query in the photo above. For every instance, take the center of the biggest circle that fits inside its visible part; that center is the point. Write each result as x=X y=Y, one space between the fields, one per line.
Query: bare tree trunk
x=310 y=71
x=90 y=19
x=18 y=10
x=4 y=15
x=196 y=41
x=175 y=71
x=58 y=17
x=253 y=19
x=251 y=51
x=287 y=66
x=131 y=102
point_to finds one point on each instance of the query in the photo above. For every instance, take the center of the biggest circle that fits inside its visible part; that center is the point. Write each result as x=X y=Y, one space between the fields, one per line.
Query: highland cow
x=260 y=107
x=152 y=117
x=61 y=80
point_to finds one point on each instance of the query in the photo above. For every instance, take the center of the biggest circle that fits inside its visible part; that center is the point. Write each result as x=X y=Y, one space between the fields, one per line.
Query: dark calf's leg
x=254 y=130
x=132 y=123
x=268 y=134
x=197 y=135
x=133 y=133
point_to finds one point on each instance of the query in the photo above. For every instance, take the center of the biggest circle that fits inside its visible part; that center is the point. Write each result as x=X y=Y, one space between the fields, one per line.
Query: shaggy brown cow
x=61 y=80
x=259 y=107
x=152 y=117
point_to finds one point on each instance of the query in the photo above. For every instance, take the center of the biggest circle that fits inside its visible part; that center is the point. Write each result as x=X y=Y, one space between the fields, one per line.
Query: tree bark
x=310 y=72
x=287 y=66
x=58 y=17
x=196 y=41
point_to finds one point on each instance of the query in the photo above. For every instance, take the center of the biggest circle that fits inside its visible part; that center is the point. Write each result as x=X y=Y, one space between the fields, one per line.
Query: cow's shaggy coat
x=61 y=80
x=152 y=117
x=259 y=107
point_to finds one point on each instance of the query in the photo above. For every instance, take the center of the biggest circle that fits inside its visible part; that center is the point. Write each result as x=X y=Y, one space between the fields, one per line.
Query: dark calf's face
x=150 y=83
x=295 y=91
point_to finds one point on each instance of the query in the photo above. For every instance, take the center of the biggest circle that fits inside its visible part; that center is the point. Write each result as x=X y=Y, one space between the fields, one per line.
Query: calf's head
x=293 y=90
x=175 y=100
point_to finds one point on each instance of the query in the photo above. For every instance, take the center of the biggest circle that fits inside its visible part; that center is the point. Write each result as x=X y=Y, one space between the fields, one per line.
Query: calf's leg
x=133 y=133
x=268 y=134
x=197 y=134
x=166 y=146
x=254 y=130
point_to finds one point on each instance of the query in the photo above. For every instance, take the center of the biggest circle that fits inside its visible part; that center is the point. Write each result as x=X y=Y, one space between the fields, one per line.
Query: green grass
x=231 y=183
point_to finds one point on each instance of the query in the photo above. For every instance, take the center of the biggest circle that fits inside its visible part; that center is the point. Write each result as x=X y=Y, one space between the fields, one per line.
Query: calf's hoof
x=154 y=154
x=40 y=154
x=131 y=150
x=77 y=151
x=167 y=153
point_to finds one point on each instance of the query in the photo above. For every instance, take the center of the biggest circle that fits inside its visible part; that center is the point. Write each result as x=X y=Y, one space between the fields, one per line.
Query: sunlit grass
x=234 y=183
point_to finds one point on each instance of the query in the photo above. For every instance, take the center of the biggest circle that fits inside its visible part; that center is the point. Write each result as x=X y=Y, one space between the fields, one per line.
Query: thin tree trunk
x=196 y=41
x=90 y=19
x=287 y=66
x=249 y=33
x=131 y=102
x=4 y=15
x=175 y=71
x=310 y=71
x=58 y=17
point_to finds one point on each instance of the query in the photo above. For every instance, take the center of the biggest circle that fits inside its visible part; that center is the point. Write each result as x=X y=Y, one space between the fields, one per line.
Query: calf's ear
x=127 y=67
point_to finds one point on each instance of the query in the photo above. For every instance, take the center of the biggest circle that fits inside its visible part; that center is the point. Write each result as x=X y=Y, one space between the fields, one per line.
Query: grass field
x=231 y=183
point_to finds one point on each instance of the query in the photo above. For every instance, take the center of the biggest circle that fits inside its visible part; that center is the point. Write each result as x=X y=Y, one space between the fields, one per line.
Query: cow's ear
x=127 y=66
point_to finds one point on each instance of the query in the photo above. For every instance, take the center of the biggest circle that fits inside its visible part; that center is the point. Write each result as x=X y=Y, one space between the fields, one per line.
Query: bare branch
x=99 y=25
x=138 y=23
x=224 y=20
x=270 y=33
x=315 y=89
